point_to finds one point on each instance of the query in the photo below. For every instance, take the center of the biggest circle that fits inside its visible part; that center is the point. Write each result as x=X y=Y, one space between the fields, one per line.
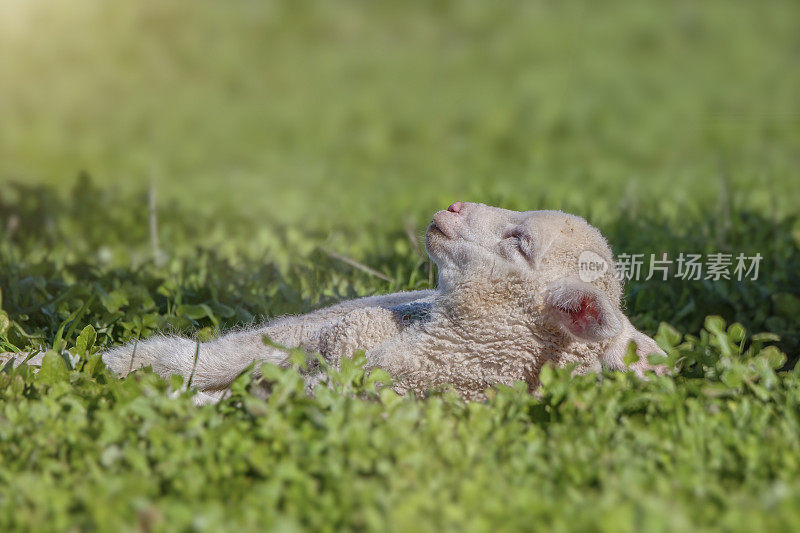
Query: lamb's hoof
x=643 y=367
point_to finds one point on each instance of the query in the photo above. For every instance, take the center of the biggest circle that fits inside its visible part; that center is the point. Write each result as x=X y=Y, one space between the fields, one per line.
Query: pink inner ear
x=586 y=315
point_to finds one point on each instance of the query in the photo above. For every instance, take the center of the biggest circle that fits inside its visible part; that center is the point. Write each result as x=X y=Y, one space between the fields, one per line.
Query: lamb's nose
x=456 y=207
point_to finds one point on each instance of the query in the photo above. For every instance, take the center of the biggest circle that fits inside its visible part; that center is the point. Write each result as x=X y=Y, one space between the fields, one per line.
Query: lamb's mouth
x=434 y=228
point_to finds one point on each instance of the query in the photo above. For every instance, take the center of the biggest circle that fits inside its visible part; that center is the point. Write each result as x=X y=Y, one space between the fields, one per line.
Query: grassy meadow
x=280 y=136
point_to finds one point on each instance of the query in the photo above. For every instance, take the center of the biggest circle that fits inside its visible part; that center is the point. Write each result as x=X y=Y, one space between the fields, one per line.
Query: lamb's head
x=527 y=266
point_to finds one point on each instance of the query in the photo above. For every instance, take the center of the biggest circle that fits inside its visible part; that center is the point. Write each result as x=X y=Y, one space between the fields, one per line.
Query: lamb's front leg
x=614 y=355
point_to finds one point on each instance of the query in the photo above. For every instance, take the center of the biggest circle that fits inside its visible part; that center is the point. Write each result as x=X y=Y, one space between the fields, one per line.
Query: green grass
x=278 y=132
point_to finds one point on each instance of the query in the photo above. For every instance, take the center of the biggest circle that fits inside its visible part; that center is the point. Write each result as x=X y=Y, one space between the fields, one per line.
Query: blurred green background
x=341 y=113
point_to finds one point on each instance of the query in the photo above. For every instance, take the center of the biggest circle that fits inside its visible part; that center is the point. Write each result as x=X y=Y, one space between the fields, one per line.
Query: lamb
x=510 y=298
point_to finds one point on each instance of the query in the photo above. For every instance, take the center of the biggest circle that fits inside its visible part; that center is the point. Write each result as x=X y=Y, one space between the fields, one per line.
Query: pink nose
x=456 y=207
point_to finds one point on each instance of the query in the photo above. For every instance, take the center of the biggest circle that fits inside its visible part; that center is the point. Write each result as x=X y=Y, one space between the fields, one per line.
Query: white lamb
x=510 y=298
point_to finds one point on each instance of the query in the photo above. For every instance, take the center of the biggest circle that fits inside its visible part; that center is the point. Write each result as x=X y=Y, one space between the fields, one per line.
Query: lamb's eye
x=519 y=240
x=513 y=234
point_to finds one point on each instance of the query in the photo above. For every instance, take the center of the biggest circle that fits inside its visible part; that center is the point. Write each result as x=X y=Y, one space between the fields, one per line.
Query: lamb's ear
x=583 y=310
